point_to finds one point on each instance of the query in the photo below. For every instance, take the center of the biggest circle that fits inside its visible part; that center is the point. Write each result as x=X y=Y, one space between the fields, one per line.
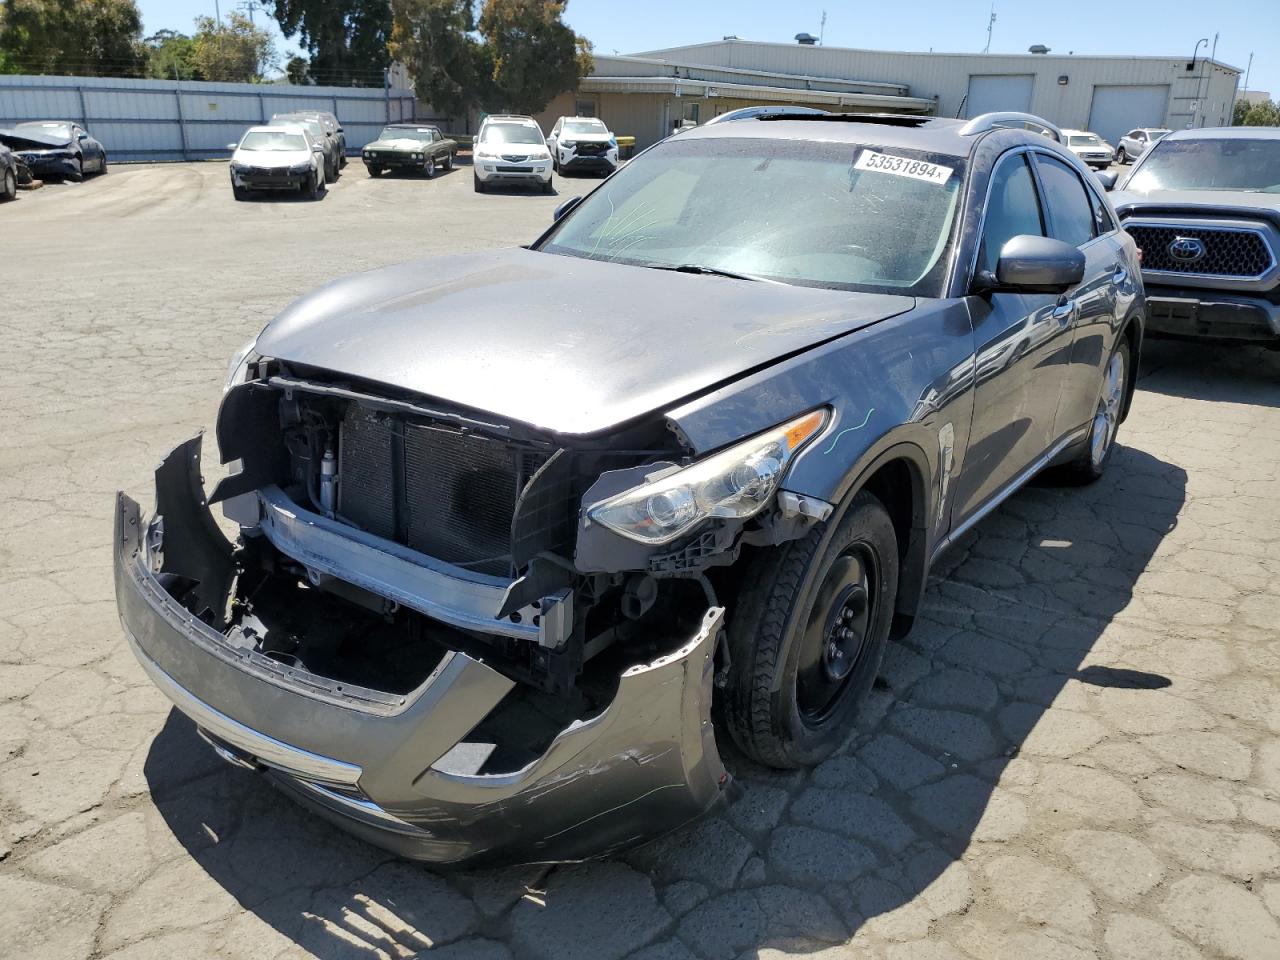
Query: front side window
x=841 y=215
x=1068 y=204
x=1012 y=210
x=1227 y=163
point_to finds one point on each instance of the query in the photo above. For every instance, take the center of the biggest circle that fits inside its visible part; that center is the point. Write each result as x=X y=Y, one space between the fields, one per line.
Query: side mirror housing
x=1107 y=178
x=564 y=208
x=232 y=146
x=1034 y=265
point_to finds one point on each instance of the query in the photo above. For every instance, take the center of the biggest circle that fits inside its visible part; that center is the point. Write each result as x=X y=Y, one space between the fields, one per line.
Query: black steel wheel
x=808 y=635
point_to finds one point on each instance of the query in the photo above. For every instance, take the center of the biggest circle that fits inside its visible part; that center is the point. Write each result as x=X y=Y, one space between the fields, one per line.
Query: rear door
x=1076 y=216
x=1022 y=350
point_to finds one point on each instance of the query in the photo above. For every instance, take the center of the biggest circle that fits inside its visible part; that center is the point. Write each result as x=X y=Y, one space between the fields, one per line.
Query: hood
x=1213 y=202
x=566 y=344
x=587 y=137
x=271 y=158
x=31 y=141
x=400 y=144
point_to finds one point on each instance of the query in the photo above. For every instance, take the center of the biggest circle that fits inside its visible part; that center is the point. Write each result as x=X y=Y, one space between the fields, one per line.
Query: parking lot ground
x=1076 y=753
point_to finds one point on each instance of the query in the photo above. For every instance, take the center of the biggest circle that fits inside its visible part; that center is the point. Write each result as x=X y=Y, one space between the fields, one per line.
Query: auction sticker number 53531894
x=902 y=167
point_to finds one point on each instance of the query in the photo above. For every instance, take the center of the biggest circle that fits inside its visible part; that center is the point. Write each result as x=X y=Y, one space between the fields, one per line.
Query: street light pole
x=1195 y=112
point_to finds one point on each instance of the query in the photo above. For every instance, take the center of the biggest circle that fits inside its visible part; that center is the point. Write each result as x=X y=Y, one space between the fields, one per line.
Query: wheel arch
x=1132 y=331
x=898 y=476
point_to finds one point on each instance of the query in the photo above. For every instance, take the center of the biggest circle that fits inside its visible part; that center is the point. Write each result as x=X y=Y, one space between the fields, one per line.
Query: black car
x=322 y=133
x=56 y=149
x=511 y=521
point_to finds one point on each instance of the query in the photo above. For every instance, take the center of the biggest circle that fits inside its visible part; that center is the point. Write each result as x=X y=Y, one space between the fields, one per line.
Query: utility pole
x=822 y=29
x=249 y=6
x=1246 y=72
x=990 y=26
x=217 y=12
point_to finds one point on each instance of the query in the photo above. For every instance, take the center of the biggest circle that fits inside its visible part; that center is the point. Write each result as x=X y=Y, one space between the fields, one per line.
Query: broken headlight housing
x=737 y=483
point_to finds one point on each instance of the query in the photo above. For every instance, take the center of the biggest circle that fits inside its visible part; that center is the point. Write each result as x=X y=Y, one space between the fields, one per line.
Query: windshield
x=421 y=134
x=1083 y=140
x=312 y=127
x=580 y=127
x=60 y=130
x=511 y=133
x=815 y=214
x=1217 y=164
x=273 y=140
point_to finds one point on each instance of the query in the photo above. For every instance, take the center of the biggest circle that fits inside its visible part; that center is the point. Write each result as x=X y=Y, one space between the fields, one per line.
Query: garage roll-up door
x=1117 y=110
x=989 y=93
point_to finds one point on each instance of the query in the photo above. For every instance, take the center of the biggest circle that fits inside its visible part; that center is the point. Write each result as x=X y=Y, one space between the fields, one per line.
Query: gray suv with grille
x=1204 y=209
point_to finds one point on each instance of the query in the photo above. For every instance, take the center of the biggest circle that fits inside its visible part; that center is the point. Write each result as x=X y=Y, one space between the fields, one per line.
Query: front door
x=1022 y=343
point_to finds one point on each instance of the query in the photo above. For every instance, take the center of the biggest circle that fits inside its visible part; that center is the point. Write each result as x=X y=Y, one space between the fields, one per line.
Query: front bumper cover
x=378 y=765
x=1211 y=315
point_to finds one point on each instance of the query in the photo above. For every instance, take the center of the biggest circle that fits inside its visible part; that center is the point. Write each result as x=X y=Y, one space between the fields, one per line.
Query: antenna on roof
x=990 y=26
x=822 y=28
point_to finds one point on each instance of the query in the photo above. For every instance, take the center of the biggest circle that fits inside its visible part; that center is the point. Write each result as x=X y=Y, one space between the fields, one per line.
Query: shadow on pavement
x=1213 y=372
x=804 y=858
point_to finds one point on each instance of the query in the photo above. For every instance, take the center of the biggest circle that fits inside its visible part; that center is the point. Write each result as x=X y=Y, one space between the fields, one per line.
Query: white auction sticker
x=902 y=167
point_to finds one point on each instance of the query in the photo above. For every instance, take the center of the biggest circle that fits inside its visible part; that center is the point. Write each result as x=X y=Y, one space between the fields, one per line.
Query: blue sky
x=1139 y=27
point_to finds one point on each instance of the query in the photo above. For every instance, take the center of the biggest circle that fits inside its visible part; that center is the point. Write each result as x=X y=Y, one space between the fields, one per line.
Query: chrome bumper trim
x=268 y=751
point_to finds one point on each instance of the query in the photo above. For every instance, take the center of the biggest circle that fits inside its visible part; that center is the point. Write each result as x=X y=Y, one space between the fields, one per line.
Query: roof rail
x=1011 y=120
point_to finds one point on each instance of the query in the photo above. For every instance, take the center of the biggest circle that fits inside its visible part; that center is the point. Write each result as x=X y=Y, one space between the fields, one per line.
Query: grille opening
x=1238 y=252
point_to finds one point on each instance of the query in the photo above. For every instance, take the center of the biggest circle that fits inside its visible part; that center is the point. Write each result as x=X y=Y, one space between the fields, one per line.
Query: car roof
x=412 y=126
x=47 y=123
x=1227 y=133
x=1078 y=133
x=509 y=118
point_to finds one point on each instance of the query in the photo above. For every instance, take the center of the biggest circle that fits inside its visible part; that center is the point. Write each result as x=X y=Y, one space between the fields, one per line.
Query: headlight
x=300 y=168
x=735 y=483
x=417 y=156
x=239 y=167
x=613 y=141
x=238 y=368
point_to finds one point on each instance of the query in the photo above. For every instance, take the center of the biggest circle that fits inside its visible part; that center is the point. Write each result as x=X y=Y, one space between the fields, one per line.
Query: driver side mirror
x=83 y=135
x=232 y=146
x=564 y=208
x=1033 y=265
x=1107 y=178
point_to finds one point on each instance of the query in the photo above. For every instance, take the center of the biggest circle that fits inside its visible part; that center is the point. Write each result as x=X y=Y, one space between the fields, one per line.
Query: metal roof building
x=649 y=94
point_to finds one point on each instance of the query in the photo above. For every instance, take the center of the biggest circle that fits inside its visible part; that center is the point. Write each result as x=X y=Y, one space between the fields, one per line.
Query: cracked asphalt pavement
x=1074 y=755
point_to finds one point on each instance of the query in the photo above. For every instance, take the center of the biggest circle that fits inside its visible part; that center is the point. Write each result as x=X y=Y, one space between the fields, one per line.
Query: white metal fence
x=189 y=120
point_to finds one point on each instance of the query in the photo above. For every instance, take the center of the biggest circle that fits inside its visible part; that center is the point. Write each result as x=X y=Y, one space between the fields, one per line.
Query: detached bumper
x=1208 y=315
x=390 y=768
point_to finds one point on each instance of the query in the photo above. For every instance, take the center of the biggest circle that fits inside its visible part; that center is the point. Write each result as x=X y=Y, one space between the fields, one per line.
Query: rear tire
x=102 y=170
x=1092 y=461
x=808 y=637
x=1121 y=157
x=9 y=186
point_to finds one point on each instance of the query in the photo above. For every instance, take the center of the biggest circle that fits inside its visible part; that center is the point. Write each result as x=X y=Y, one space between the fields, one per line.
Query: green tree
x=534 y=53
x=169 y=56
x=1264 y=114
x=88 y=38
x=233 y=51
x=1238 y=112
x=346 y=39
x=297 y=71
x=434 y=39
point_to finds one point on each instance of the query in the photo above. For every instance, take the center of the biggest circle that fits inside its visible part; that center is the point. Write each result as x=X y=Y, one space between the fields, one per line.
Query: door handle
x=1064 y=313
x=1119 y=273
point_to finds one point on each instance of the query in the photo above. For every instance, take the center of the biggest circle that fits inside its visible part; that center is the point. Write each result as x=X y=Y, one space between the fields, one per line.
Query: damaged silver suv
x=491 y=575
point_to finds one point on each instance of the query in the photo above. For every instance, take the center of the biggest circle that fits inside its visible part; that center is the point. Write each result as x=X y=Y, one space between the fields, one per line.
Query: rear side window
x=1067 y=200
x=1012 y=211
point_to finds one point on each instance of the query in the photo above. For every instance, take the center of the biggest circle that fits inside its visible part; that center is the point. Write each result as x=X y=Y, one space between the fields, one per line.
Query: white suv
x=583 y=143
x=510 y=149
x=1092 y=150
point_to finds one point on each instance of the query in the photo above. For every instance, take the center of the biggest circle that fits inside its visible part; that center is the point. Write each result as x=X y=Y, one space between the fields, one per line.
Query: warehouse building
x=649 y=94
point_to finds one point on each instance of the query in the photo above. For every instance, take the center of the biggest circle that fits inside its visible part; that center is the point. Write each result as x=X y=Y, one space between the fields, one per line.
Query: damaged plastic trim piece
x=441 y=591
x=643 y=765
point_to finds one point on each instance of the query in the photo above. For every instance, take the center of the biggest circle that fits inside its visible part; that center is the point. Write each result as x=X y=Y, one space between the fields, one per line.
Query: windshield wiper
x=709 y=271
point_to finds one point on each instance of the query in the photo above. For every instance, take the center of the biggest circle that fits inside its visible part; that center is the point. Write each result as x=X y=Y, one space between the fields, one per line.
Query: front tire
x=240 y=193
x=374 y=170
x=9 y=186
x=78 y=175
x=477 y=183
x=1092 y=462
x=429 y=168
x=808 y=637
x=549 y=187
